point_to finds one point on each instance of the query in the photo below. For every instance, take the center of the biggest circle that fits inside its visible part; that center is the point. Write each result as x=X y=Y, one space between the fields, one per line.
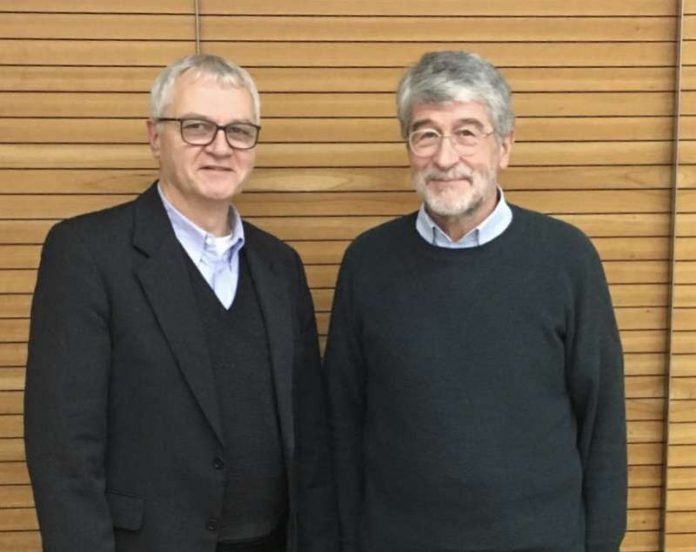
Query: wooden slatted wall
x=593 y=82
x=680 y=481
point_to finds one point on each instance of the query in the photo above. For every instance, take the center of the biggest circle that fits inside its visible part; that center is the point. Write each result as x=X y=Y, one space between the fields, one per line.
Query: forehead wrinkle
x=429 y=123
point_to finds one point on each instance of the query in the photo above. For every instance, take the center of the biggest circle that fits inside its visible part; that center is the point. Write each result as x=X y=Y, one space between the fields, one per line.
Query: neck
x=211 y=216
x=456 y=227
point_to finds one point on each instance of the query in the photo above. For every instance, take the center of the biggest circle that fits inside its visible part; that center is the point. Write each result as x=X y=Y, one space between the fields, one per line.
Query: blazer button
x=212 y=524
x=218 y=463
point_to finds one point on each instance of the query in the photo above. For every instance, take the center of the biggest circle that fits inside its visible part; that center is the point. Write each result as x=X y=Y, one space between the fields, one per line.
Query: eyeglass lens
x=200 y=132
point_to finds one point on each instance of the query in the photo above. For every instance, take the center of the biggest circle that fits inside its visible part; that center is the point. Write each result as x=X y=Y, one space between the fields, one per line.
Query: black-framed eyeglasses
x=425 y=142
x=201 y=132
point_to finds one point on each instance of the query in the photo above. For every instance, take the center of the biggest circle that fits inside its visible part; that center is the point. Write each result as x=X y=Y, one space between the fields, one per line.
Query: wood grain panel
x=331 y=79
x=348 y=104
x=340 y=54
x=375 y=7
x=373 y=204
x=332 y=130
x=91 y=156
x=333 y=29
x=299 y=179
x=593 y=83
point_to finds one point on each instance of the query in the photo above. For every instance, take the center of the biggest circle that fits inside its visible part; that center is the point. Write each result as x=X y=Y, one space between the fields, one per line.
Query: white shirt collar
x=197 y=241
x=490 y=228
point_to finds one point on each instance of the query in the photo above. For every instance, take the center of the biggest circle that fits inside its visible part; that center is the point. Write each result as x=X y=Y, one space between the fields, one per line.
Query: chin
x=451 y=206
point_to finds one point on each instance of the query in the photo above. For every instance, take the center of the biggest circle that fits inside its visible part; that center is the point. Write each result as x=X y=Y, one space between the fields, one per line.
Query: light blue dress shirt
x=489 y=229
x=217 y=258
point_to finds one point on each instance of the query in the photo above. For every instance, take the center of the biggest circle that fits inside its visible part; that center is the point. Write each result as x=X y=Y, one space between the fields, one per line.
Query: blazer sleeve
x=66 y=396
x=596 y=387
x=316 y=503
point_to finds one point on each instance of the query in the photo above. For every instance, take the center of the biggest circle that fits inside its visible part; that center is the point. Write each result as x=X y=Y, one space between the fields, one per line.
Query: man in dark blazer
x=173 y=398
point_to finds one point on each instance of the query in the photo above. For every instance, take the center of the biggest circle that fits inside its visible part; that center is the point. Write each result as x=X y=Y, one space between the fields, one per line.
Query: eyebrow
x=427 y=123
x=200 y=117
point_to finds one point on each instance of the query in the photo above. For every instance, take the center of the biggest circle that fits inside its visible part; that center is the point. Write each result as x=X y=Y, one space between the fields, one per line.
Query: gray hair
x=225 y=72
x=441 y=77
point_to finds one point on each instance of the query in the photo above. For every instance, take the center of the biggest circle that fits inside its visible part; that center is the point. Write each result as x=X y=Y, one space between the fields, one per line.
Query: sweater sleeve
x=345 y=372
x=595 y=381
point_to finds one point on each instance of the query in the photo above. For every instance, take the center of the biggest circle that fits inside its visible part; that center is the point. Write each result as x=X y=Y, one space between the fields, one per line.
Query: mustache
x=455 y=173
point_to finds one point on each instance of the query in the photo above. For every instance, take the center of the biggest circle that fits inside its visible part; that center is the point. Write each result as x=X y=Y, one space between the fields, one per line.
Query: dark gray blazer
x=122 y=424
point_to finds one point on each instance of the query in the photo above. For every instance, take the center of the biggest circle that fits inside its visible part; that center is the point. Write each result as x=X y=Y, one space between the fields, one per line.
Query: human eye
x=241 y=134
x=467 y=132
x=426 y=136
x=241 y=131
x=197 y=126
x=467 y=135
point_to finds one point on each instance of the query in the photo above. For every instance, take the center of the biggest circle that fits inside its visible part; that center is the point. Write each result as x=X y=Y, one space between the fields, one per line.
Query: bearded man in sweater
x=473 y=360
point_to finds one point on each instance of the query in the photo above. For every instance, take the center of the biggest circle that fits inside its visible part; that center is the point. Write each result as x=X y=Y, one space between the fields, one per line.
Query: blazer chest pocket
x=126 y=511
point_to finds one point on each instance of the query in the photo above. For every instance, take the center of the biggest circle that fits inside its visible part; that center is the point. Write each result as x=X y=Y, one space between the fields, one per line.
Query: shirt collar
x=197 y=241
x=489 y=229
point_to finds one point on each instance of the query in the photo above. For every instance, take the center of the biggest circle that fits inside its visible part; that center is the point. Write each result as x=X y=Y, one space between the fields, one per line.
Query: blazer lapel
x=165 y=282
x=273 y=297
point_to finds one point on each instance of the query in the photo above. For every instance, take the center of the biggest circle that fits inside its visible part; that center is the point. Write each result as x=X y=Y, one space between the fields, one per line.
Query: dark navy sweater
x=477 y=394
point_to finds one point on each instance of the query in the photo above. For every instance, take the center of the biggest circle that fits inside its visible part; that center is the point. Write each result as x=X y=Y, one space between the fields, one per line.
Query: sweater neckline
x=422 y=246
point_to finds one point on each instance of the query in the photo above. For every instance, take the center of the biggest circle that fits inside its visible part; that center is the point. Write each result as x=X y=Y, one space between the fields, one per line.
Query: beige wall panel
x=681 y=479
x=598 y=225
x=684 y=365
x=140 y=27
x=679 y=522
x=375 y=7
x=680 y=542
x=332 y=29
x=645 y=454
x=356 y=130
x=309 y=54
x=132 y=104
x=364 y=203
x=444 y=7
x=644 y=476
x=599 y=156
x=344 y=79
x=19 y=496
x=20 y=541
x=92 y=156
x=97 y=6
x=13 y=378
x=10 y=403
x=24 y=519
x=15 y=305
x=338 y=179
x=683 y=455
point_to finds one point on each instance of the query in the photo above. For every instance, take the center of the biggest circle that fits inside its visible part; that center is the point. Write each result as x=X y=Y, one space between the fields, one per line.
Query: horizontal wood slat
x=334 y=130
x=594 y=94
x=298 y=179
x=334 y=29
x=373 y=204
x=375 y=7
x=340 y=54
x=333 y=155
x=39 y=78
x=323 y=104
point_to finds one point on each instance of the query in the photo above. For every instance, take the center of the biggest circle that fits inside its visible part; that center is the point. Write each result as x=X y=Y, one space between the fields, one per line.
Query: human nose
x=220 y=145
x=446 y=154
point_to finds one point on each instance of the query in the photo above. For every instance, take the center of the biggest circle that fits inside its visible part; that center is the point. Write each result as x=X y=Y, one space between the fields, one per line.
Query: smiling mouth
x=448 y=180
x=216 y=169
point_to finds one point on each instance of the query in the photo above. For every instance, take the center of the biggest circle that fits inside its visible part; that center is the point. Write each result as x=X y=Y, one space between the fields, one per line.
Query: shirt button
x=212 y=524
x=218 y=463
